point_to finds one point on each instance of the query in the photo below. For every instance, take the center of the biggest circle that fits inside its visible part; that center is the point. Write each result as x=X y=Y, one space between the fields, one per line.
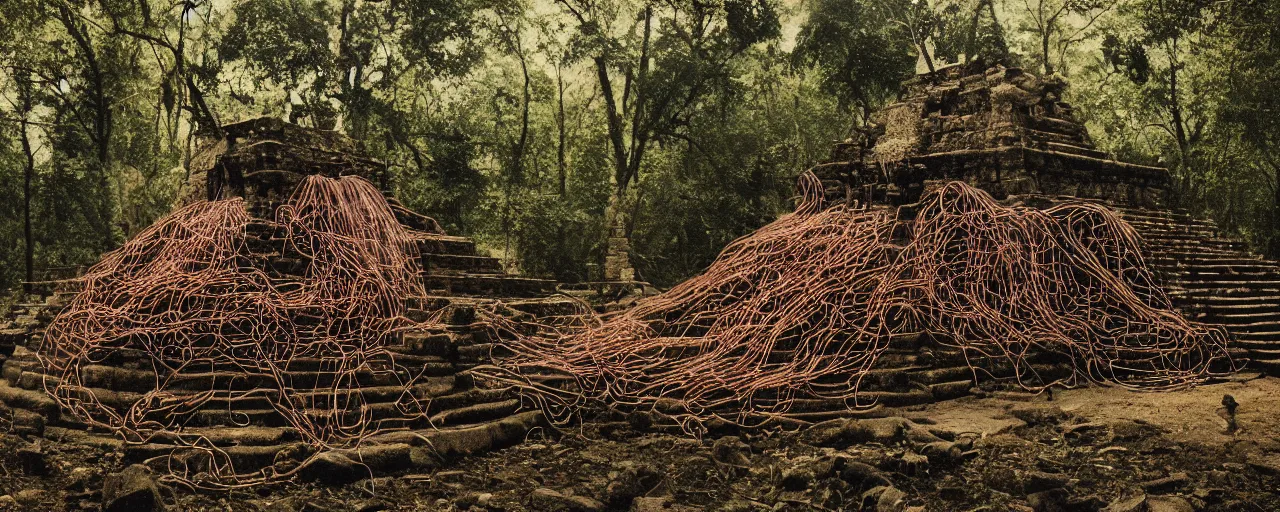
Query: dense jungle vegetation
x=519 y=121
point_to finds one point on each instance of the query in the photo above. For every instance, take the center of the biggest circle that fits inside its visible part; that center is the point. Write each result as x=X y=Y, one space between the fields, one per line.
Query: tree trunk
x=1044 y=47
x=521 y=146
x=28 y=174
x=1274 y=248
x=1175 y=110
x=561 y=166
x=102 y=123
x=613 y=119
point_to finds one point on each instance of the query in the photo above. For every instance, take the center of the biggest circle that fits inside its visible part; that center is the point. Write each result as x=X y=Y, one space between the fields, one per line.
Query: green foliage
x=519 y=122
x=858 y=50
x=283 y=40
x=970 y=28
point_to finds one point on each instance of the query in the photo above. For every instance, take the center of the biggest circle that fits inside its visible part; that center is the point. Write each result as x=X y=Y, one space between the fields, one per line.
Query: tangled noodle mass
x=224 y=335
x=804 y=307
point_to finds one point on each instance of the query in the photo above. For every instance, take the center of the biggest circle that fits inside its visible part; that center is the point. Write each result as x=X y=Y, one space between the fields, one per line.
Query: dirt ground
x=1090 y=449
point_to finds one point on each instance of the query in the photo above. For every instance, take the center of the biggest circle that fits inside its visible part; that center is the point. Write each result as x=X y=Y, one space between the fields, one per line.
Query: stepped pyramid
x=263 y=161
x=1009 y=133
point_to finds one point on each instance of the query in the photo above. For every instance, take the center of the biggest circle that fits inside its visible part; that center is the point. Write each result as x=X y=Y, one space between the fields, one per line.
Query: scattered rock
x=1039 y=481
x=29 y=498
x=80 y=478
x=331 y=468
x=1090 y=503
x=27 y=423
x=910 y=464
x=1039 y=414
x=941 y=451
x=1267 y=465
x=658 y=504
x=891 y=500
x=640 y=420
x=31 y=459
x=862 y=475
x=373 y=506
x=953 y=493
x=131 y=490
x=1051 y=500
x=548 y=500
x=454 y=476
x=1133 y=430
x=740 y=505
x=633 y=481
x=1133 y=504
x=1167 y=484
x=1214 y=494
x=730 y=451
x=845 y=432
x=797 y=479
x=1168 y=504
x=467 y=501
x=8 y=503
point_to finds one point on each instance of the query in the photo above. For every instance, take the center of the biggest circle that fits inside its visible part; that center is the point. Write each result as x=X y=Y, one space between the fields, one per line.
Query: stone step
x=489 y=285
x=1227 y=300
x=468 y=409
x=1184 y=248
x=1227 y=260
x=1250 y=269
x=1268 y=366
x=1234 y=318
x=1264 y=309
x=424 y=447
x=35 y=401
x=1258 y=337
x=460 y=263
x=1255 y=327
x=1075 y=150
x=1227 y=285
x=141 y=381
x=445 y=244
x=1073 y=138
x=1253 y=349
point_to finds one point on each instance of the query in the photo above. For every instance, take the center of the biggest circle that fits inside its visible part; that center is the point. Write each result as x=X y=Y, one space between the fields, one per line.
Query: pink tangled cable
x=804 y=307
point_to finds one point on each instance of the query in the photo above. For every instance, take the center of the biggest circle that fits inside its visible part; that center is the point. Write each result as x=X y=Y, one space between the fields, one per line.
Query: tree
x=859 y=52
x=1155 y=58
x=969 y=29
x=1049 y=21
x=1253 y=28
x=667 y=57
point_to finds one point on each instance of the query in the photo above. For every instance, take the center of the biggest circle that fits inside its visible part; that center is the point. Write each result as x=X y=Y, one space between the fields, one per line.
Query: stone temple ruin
x=1009 y=133
x=412 y=400
x=792 y=325
x=974 y=241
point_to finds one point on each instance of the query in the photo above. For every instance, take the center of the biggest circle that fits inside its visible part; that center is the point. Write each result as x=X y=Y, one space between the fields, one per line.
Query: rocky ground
x=1088 y=449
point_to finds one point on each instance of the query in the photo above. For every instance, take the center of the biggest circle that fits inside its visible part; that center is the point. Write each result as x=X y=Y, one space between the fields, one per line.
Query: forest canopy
x=520 y=122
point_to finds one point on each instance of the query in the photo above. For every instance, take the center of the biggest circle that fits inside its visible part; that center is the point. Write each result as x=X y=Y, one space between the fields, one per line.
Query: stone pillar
x=617 y=260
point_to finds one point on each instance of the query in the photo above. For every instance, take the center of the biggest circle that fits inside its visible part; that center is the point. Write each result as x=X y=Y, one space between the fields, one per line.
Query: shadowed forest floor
x=1088 y=449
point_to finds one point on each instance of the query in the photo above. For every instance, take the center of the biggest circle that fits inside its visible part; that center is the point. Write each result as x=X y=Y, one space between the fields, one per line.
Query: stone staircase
x=918 y=370
x=1216 y=280
x=460 y=416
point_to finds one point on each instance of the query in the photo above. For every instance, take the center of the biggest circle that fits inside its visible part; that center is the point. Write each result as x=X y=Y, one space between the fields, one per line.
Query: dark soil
x=1087 y=450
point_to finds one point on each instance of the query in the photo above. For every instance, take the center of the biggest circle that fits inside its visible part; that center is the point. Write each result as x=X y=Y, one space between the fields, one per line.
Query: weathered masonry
x=263 y=161
x=1009 y=133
